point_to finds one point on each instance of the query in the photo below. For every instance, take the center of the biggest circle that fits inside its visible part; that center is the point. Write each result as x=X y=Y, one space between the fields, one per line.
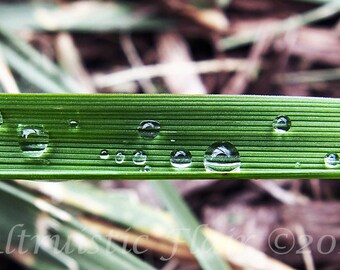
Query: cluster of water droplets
x=219 y=157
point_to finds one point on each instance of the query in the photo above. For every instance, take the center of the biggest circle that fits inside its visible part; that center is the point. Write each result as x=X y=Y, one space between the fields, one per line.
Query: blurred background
x=263 y=47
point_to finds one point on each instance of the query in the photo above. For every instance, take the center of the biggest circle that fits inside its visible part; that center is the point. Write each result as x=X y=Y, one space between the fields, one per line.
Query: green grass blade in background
x=189 y=227
x=76 y=247
x=68 y=133
x=87 y=16
x=34 y=66
x=325 y=11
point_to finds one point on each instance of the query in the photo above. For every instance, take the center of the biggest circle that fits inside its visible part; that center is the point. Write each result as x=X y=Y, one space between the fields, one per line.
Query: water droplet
x=331 y=160
x=147 y=168
x=149 y=129
x=73 y=123
x=281 y=124
x=222 y=157
x=1 y=119
x=104 y=154
x=297 y=165
x=120 y=157
x=139 y=158
x=180 y=158
x=33 y=140
x=173 y=141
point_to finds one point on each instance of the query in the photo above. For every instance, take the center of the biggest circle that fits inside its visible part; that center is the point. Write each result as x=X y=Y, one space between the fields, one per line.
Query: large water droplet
x=222 y=157
x=149 y=129
x=331 y=160
x=139 y=158
x=120 y=157
x=281 y=124
x=33 y=140
x=180 y=158
x=73 y=124
x=104 y=154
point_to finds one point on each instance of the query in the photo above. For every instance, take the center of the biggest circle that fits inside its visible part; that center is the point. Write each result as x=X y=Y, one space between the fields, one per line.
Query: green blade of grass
x=244 y=38
x=309 y=77
x=76 y=247
x=34 y=66
x=87 y=16
x=76 y=128
x=189 y=227
x=87 y=199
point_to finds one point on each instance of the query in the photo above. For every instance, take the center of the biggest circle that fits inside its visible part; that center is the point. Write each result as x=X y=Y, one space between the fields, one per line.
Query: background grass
x=189 y=47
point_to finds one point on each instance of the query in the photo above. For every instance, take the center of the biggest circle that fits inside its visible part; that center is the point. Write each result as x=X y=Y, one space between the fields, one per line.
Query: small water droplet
x=331 y=160
x=222 y=157
x=180 y=158
x=297 y=165
x=147 y=168
x=173 y=141
x=120 y=157
x=104 y=154
x=281 y=124
x=139 y=158
x=73 y=123
x=33 y=140
x=149 y=129
x=1 y=119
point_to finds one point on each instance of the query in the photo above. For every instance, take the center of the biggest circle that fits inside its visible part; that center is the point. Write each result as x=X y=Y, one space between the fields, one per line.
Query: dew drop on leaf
x=281 y=124
x=222 y=157
x=33 y=140
x=104 y=154
x=147 y=168
x=180 y=158
x=120 y=157
x=139 y=158
x=73 y=124
x=149 y=129
x=331 y=160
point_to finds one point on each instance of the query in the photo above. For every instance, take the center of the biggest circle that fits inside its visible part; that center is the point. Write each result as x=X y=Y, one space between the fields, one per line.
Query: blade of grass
x=34 y=66
x=87 y=16
x=138 y=219
x=6 y=79
x=330 y=9
x=308 y=77
x=189 y=227
x=84 y=249
x=110 y=123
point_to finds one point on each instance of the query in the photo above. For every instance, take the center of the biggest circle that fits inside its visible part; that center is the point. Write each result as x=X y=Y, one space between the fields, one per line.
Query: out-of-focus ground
x=184 y=54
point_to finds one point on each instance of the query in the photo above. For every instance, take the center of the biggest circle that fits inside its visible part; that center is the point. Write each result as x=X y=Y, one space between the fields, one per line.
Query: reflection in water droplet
x=173 y=141
x=139 y=158
x=147 y=168
x=73 y=123
x=149 y=129
x=281 y=124
x=331 y=160
x=120 y=157
x=33 y=140
x=222 y=157
x=104 y=154
x=180 y=158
